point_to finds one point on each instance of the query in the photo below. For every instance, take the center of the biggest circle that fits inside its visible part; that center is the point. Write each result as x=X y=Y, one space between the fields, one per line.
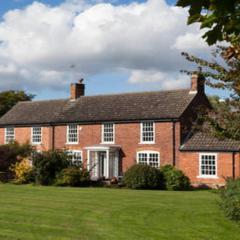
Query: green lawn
x=33 y=212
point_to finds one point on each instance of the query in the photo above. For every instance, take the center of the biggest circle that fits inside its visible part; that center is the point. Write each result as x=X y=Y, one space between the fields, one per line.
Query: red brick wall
x=189 y=164
x=127 y=135
x=23 y=135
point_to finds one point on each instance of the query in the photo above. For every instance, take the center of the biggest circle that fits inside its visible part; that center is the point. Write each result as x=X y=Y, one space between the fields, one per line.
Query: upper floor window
x=36 y=135
x=108 y=133
x=208 y=165
x=72 y=133
x=9 y=134
x=147 y=132
x=151 y=158
x=75 y=156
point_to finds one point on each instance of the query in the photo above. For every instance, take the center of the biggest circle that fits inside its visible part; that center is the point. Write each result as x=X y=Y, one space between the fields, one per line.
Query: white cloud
x=165 y=80
x=39 y=43
x=190 y=42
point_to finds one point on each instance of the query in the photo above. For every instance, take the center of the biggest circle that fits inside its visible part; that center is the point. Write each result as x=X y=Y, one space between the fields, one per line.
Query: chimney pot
x=77 y=89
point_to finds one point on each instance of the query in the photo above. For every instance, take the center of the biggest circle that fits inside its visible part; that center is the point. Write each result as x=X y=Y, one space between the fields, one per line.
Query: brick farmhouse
x=110 y=133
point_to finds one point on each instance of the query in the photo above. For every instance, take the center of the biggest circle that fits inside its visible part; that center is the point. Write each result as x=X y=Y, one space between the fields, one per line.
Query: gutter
x=210 y=150
x=89 y=122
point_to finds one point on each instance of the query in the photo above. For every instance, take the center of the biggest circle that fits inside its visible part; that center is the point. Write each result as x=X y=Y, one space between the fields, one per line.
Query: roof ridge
x=135 y=93
x=108 y=94
x=45 y=100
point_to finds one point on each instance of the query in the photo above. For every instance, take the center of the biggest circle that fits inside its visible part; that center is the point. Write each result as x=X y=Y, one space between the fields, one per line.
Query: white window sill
x=7 y=142
x=72 y=143
x=36 y=143
x=208 y=177
x=107 y=143
x=146 y=143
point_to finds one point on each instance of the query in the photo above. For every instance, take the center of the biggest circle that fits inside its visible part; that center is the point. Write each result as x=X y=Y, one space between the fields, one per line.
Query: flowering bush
x=22 y=171
x=10 y=154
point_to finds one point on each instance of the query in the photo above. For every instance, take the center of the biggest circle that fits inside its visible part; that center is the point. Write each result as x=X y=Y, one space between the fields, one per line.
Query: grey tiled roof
x=36 y=112
x=202 y=141
x=118 y=107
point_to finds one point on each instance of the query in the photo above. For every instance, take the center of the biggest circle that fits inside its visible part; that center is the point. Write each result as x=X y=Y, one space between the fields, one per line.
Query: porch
x=103 y=161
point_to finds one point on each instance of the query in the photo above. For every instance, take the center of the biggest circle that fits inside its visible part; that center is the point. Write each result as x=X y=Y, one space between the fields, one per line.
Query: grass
x=34 y=212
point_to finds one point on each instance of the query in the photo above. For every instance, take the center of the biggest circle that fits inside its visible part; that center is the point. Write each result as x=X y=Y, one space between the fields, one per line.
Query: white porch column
x=116 y=165
x=107 y=164
x=88 y=160
x=93 y=164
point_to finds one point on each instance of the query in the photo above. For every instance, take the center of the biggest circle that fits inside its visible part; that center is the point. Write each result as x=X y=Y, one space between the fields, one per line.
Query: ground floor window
x=151 y=158
x=9 y=134
x=36 y=135
x=208 y=165
x=75 y=156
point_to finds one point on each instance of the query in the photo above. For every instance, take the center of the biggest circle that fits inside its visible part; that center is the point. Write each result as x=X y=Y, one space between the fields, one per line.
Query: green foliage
x=143 y=177
x=230 y=199
x=74 y=177
x=221 y=18
x=9 y=98
x=11 y=153
x=175 y=179
x=222 y=73
x=48 y=164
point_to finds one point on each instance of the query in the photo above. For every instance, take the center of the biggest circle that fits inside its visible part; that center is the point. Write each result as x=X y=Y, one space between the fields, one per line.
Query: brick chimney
x=197 y=83
x=77 y=89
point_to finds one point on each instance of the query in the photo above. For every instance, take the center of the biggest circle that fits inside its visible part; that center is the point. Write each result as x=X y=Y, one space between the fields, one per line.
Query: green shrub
x=143 y=177
x=230 y=199
x=74 y=177
x=9 y=154
x=46 y=165
x=175 y=179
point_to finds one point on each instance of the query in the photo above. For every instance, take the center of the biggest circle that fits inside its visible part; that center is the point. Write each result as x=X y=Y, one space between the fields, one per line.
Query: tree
x=9 y=98
x=221 y=18
x=222 y=73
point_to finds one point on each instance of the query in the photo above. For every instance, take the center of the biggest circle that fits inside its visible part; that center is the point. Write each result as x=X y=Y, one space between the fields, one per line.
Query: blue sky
x=146 y=60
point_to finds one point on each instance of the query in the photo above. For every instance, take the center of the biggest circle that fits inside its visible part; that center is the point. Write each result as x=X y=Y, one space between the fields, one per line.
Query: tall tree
x=222 y=73
x=220 y=18
x=9 y=98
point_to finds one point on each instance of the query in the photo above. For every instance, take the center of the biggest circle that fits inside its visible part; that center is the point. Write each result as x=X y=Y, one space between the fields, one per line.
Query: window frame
x=200 y=165
x=141 y=133
x=33 y=142
x=148 y=152
x=5 y=135
x=67 y=134
x=69 y=151
x=102 y=134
